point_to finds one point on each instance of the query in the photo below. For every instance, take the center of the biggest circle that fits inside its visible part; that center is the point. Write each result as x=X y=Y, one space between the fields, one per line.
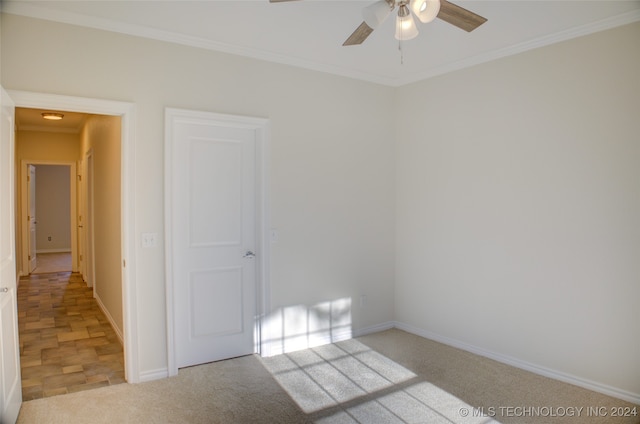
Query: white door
x=31 y=207
x=213 y=230
x=10 y=385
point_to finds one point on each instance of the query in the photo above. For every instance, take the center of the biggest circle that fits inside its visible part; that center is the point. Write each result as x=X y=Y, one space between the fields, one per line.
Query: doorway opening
x=49 y=235
x=126 y=112
x=73 y=317
x=51 y=190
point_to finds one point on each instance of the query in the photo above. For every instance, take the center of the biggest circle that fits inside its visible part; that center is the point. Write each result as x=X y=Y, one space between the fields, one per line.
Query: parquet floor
x=66 y=342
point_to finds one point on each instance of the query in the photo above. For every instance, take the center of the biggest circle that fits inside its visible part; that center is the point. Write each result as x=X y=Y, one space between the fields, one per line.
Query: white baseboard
x=151 y=375
x=276 y=344
x=63 y=250
x=536 y=369
x=110 y=318
x=374 y=329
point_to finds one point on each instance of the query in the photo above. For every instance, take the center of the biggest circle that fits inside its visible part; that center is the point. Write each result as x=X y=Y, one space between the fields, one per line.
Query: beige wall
x=101 y=136
x=518 y=226
x=53 y=208
x=331 y=175
x=47 y=146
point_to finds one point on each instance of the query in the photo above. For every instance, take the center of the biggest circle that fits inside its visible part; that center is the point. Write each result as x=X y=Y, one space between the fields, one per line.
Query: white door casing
x=31 y=216
x=80 y=221
x=214 y=230
x=89 y=244
x=126 y=111
x=10 y=384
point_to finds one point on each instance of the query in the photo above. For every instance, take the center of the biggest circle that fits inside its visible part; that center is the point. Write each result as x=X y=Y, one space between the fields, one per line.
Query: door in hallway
x=10 y=386
x=213 y=231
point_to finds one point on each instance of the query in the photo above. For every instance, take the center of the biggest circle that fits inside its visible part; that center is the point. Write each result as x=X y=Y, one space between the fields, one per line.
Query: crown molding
x=597 y=26
x=42 y=12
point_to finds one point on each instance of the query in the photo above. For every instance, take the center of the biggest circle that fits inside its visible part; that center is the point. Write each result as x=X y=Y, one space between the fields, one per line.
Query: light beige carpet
x=388 y=377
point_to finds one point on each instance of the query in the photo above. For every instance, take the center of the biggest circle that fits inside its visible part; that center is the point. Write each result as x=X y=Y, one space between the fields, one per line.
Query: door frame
x=32 y=204
x=10 y=381
x=88 y=214
x=126 y=111
x=24 y=210
x=263 y=296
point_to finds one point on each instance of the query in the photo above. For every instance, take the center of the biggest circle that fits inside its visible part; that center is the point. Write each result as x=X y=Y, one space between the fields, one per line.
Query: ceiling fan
x=425 y=10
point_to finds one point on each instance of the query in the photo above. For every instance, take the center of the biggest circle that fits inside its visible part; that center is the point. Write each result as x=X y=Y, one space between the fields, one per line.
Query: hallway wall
x=101 y=134
x=53 y=208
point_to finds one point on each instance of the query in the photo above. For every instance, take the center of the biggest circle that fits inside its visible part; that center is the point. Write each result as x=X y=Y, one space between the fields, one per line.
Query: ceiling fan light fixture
x=51 y=116
x=376 y=13
x=425 y=10
x=406 y=28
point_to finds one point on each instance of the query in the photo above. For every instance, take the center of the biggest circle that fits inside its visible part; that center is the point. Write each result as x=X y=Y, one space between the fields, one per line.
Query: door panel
x=216 y=303
x=10 y=385
x=215 y=193
x=213 y=226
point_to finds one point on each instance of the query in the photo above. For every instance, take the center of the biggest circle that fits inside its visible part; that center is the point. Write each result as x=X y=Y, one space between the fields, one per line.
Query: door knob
x=249 y=254
x=4 y=289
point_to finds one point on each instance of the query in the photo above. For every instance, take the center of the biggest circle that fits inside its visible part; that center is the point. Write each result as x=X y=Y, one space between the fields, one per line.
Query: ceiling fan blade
x=459 y=16
x=359 y=35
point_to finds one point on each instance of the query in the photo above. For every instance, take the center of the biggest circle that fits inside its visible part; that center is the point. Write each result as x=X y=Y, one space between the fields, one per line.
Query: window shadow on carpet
x=347 y=383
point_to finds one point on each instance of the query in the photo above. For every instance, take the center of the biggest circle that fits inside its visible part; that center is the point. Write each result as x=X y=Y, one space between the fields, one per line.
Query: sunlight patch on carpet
x=349 y=383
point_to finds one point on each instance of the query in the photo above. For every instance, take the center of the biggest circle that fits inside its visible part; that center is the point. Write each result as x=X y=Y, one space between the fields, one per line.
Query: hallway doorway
x=80 y=321
x=46 y=186
x=125 y=266
x=70 y=335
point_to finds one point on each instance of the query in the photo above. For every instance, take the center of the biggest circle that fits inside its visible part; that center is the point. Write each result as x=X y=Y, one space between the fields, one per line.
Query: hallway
x=66 y=343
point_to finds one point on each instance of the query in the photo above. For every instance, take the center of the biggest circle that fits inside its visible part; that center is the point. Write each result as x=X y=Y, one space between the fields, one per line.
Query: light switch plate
x=149 y=239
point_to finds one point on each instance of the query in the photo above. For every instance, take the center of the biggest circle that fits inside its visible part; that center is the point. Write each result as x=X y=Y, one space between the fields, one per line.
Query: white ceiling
x=310 y=33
